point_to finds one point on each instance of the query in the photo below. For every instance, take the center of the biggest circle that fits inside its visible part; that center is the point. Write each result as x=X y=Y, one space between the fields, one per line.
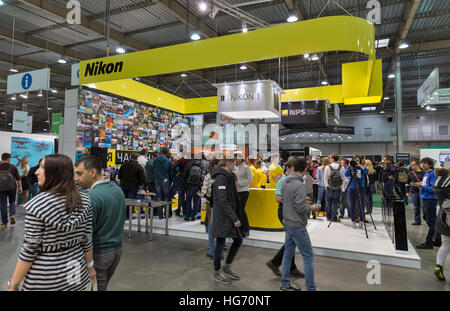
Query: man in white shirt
x=142 y=159
x=334 y=180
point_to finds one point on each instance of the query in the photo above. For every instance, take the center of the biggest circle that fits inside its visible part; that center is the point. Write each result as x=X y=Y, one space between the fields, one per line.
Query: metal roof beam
x=39 y=43
x=56 y=9
x=179 y=12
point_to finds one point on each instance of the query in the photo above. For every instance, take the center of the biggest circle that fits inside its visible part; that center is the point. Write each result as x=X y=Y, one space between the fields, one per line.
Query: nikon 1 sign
x=249 y=100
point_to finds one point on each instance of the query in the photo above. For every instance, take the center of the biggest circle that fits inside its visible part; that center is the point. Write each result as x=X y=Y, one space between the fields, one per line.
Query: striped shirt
x=55 y=242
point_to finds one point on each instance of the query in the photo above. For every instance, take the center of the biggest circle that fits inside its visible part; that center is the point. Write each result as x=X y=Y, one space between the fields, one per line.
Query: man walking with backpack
x=334 y=177
x=193 y=178
x=8 y=177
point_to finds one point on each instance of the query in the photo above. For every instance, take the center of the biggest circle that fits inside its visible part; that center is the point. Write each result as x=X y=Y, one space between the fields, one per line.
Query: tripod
x=360 y=202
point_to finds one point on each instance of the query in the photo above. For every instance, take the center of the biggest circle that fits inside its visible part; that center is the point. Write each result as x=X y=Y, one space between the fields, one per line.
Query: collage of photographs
x=108 y=122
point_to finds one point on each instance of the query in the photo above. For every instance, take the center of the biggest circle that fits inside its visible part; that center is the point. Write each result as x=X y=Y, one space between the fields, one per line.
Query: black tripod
x=360 y=202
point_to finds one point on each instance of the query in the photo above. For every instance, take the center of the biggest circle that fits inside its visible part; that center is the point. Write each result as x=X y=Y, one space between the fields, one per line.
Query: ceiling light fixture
x=40 y=93
x=404 y=45
x=243 y=67
x=195 y=36
x=386 y=98
x=13 y=70
x=244 y=26
x=315 y=57
x=324 y=83
x=54 y=91
x=202 y=6
x=391 y=76
x=25 y=96
x=184 y=75
x=306 y=55
x=3 y=112
x=292 y=18
x=62 y=61
x=13 y=97
x=120 y=50
x=428 y=108
x=382 y=111
x=49 y=108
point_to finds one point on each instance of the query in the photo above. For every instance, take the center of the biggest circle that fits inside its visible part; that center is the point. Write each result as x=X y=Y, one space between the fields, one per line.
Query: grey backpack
x=7 y=182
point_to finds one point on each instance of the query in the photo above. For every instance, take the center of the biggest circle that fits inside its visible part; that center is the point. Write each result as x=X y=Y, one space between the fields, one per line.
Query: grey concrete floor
x=174 y=263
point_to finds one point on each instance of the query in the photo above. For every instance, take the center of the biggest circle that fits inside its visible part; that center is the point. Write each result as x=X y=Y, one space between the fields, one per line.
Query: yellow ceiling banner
x=333 y=33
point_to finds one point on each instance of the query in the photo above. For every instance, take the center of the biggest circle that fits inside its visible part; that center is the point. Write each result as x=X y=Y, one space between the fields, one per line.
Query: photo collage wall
x=108 y=122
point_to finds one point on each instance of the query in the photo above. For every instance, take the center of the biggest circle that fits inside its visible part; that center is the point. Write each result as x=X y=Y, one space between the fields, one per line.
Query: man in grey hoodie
x=296 y=210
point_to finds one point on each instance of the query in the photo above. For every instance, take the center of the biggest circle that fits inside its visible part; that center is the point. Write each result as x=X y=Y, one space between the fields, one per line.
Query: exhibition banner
x=75 y=75
x=304 y=114
x=431 y=84
x=20 y=120
x=29 y=81
x=440 y=97
x=249 y=100
x=57 y=120
x=31 y=149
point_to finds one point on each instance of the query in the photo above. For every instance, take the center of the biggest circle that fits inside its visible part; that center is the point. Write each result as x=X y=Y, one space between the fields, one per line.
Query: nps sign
x=29 y=81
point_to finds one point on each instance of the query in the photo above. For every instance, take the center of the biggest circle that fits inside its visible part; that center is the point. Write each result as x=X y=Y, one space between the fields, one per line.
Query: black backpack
x=7 y=182
x=195 y=175
x=335 y=180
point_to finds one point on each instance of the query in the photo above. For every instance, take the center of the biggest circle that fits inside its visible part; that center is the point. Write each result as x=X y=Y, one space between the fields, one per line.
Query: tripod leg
x=373 y=222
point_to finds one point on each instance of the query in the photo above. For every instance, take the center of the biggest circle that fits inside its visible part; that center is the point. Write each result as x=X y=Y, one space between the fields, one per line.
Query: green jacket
x=108 y=217
x=149 y=172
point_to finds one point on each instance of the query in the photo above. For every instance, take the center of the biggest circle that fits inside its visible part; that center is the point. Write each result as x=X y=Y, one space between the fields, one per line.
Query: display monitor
x=444 y=157
x=304 y=114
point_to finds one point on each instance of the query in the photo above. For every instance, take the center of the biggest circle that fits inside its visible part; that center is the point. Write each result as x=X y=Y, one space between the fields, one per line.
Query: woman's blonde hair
x=369 y=166
x=325 y=162
x=23 y=163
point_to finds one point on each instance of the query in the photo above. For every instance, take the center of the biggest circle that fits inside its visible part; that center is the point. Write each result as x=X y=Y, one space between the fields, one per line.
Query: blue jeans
x=130 y=193
x=321 y=197
x=182 y=197
x=429 y=209
x=352 y=197
x=298 y=237
x=34 y=190
x=332 y=202
x=162 y=194
x=212 y=241
x=415 y=197
x=11 y=197
x=191 y=195
x=343 y=201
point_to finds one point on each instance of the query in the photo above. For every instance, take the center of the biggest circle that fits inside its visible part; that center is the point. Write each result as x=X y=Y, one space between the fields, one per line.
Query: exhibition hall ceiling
x=42 y=37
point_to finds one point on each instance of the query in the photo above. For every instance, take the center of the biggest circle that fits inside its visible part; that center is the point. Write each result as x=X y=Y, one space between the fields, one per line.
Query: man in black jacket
x=388 y=177
x=131 y=176
x=226 y=218
x=193 y=184
x=413 y=192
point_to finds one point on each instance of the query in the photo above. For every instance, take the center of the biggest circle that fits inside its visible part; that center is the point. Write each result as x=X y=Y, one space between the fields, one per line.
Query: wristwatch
x=13 y=286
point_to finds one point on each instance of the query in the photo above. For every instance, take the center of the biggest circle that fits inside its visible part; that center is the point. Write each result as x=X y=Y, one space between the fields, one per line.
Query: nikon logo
x=100 y=68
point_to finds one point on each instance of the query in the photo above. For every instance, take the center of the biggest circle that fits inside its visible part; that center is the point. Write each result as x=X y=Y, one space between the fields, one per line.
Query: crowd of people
x=78 y=216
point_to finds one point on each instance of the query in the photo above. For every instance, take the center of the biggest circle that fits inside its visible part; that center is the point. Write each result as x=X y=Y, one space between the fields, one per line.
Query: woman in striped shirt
x=56 y=252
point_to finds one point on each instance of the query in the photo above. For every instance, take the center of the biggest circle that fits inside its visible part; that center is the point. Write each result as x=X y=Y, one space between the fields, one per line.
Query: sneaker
x=209 y=256
x=416 y=224
x=186 y=219
x=437 y=244
x=221 y=278
x=227 y=271
x=297 y=273
x=425 y=246
x=192 y=219
x=439 y=273
x=3 y=226
x=12 y=220
x=290 y=288
x=275 y=269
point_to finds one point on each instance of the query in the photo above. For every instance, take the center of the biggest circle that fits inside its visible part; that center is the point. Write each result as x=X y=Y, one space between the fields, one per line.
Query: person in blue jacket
x=429 y=201
x=360 y=171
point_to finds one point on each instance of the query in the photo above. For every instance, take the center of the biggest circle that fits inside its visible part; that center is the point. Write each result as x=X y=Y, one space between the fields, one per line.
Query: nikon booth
x=110 y=110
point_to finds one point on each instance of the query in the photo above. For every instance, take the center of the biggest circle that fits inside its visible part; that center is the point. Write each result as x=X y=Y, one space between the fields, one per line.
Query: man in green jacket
x=108 y=217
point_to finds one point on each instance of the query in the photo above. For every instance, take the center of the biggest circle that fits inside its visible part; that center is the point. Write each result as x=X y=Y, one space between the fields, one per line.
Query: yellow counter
x=262 y=210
